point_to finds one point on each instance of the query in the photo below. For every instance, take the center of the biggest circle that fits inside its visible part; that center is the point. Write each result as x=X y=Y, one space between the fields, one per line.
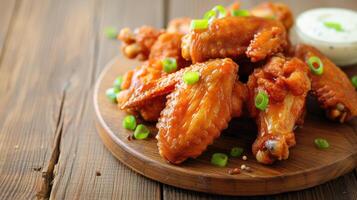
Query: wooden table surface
x=51 y=53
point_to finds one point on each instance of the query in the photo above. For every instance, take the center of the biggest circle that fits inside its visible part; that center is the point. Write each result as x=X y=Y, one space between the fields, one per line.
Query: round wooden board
x=307 y=166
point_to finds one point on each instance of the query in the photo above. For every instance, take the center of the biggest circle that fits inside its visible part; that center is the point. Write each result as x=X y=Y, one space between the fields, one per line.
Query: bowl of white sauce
x=331 y=30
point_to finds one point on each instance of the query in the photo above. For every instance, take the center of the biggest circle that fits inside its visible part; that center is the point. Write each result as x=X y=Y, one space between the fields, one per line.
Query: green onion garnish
x=111 y=32
x=219 y=159
x=261 y=100
x=221 y=11
x=210 y=15
x=191 y=77
x=315 y=65
x=334 y=25
x=199 y=24
x=112 y=94
x=169 y=65
x=236 y=151
x=354 y=81
x=240 y=13
x=321 y=143
x=117 y=82
x=141 y=132
x=129 y=122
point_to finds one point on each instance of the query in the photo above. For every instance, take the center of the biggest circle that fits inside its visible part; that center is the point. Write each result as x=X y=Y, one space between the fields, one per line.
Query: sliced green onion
x=191 y=78
x=334 y=25
x=210 y=15
x=141 y=132
x=240 y=13
x=261 y=100
x=316 y=65
x=112 y=94
x=111 y=32
x=169 y=65
x=199 y=24
x=129 y=122
x=117 y=82
x=221 y=10
x=321 y=143
x=236 y=151
x=219 y=159
x=354 y=81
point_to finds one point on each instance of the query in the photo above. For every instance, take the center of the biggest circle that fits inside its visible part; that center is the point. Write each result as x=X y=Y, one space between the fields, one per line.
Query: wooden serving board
x=307 y=166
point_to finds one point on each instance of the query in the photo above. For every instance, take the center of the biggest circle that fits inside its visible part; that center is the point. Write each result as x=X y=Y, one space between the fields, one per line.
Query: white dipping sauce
x=339 y=45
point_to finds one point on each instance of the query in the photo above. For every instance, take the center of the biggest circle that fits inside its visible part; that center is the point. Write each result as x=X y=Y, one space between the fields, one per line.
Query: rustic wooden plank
x=341 y=188
x=34 y=72
x=85 y=168
x=7 y=15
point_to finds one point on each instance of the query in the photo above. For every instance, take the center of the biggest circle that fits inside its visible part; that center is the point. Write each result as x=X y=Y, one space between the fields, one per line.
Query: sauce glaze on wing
x=287 y=83
x=333 y=88
x=234 y=37
x=196 y=114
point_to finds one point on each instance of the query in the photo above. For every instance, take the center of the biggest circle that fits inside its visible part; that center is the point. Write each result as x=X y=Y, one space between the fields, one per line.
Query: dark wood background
x=51 y=53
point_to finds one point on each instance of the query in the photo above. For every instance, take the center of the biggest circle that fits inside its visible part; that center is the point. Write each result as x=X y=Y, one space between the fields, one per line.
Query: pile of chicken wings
x=254 y=48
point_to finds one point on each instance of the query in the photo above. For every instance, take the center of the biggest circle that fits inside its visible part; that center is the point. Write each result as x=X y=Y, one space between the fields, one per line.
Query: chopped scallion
x=117 y=82
x=199 y=24
x=321 y=143
x=354 y=81
x=129 y=122
x=261 y=100
x=316 y=65
x=169 y=65
x=191 y=78
x=219 y=159
x=221 y=11
x=141 y=132
x=111 y=32
x=240 y=13
x=334 y=25
x=236 y=151
x=112 y=94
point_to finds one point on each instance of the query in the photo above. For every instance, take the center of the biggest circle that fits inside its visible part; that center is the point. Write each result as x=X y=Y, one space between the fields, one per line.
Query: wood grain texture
x=50 y=55
x=7 y=16
x=85 y=169
x=306 y=167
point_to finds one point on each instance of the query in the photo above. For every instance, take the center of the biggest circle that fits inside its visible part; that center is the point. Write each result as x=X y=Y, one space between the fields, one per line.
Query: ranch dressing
x=332 y=30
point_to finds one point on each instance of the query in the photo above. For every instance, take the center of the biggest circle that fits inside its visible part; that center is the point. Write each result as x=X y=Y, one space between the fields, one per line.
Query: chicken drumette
x=286 y=83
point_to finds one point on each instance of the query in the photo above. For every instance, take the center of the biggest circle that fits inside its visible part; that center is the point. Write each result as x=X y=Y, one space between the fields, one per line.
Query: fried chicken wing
x=233 y=37
x=286 y=82
x=278 y=11
x=196 y=114
x=138 y=44
x=168 y=45
x=333 y=89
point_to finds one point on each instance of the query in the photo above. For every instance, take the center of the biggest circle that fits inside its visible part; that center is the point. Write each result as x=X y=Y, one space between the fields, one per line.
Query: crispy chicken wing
x=287 y=83
x=138 y=44
x=196 y=114
x=233 y=37
x=278 y=11
x=333 y=88
x=167 y=45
